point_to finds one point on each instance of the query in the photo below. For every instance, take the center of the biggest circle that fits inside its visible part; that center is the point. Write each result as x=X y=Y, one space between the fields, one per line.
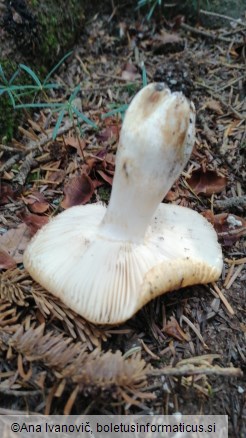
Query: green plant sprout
x=115 y=108
x=17 y=92
x=71 y=109
x=152 y=4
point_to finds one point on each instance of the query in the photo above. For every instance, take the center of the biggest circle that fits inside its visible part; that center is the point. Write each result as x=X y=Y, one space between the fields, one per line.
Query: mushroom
x=106 y=263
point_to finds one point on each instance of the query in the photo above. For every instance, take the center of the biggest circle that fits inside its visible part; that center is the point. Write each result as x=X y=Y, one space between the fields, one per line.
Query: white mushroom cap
x=106 y=264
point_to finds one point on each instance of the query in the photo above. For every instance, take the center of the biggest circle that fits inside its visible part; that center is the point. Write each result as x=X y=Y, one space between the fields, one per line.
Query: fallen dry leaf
x=110 y=133
x=228 y=226
x=78 y=191
x=130 y=72
x=14 y=242
x=206 y=182
x=168 y=37
x=105 y=176
x=34 y=222
x=172 y=328
x=213 y=105
x=55 y=175
x=175 y=193
x=6 y=193
x=36 y=202
x=75 y=142
x=230 y=128
x=6 y=261
x=166 y=42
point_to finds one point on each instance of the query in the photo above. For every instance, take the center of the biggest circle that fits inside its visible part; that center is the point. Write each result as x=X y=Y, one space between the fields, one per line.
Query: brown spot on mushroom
x=179 y=115
x=125 y=169
x=153 y=99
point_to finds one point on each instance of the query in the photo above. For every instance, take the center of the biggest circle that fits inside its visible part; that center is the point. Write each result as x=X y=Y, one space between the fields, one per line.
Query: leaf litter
x=165 y=345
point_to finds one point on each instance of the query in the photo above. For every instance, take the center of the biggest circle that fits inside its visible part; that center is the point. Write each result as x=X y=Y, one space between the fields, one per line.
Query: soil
x=204 y=325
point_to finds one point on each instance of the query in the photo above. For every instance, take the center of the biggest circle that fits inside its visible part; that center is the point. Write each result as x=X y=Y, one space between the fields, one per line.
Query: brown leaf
x=78 y=191
x=6 y=261
x=213 y=105
x=106 y=177
x=130 y=72
x=39 y=207
x=14 y=242
x=228 y=226
x=109 y=134
x=167 y=37
x=167 y=42
x=206 y=182
x=208 y=214
x=231 y=128
x=75 y=142
x=175 y=193
x=6 y=193
x=111 y=131
x=57 y=177
x=34 y=222
x=36 y=202
x=177 y=22
x=97 y=183
x=172 y=328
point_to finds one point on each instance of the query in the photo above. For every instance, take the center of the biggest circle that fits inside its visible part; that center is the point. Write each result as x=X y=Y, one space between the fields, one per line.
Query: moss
x=57 y=31
x=8 y=116
x=44 y=33
x=104 y=194
x=6 y=120
x=233 y=8
x=45 y=30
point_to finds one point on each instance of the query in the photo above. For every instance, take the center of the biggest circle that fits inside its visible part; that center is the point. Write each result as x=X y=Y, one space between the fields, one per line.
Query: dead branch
x=204 y=33
x=217 y=96
x=9 y=163
x=225 y=17
x=35 y=144
x=6 y=148
x=191 y=370
x=25 y=168
x=234 y=202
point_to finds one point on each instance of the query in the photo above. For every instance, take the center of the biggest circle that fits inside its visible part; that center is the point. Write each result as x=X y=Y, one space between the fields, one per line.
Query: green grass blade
x=151 y=11
x=57 y=106
x=20 y=87
x=11 y=97
x=74 y=93
x=58 y=123
x=81 y=116
x=3 y=75
x=57 y=66
x=144 y=75
x=142 y=3
x=119 y=110
x=51 y=86
x=31 y=73
x=14 y=76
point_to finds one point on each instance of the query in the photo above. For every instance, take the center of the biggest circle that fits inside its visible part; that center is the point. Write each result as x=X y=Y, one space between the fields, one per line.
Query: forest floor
x=185 y=351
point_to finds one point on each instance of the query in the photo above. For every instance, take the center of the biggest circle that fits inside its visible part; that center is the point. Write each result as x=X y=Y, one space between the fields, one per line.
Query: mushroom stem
x=156 y=140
